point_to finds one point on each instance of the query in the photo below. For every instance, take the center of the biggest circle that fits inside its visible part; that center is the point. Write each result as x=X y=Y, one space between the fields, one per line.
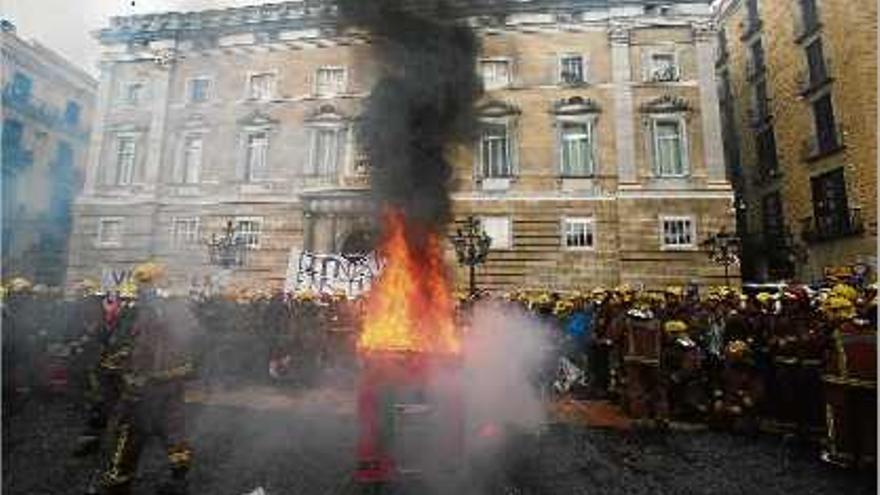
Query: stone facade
x=809 y=195
x=46 y=111
x=580 y=104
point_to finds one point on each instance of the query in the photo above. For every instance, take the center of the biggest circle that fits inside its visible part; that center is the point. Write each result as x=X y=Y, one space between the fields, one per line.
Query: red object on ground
x=410 y=415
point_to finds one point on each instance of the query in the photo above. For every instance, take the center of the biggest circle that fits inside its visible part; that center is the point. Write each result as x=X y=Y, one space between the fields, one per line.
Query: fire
x=410 y=308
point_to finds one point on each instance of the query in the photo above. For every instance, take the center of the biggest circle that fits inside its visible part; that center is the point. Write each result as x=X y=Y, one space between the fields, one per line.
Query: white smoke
x=505 y=351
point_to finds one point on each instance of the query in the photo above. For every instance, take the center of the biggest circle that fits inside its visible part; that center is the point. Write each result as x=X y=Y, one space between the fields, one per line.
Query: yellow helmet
x=563 y=307
x=845 y=291
x=88 y=287
x=675 y=326
x=127 y=289
x=764 y=297
x=147 y=273
x=19 y=284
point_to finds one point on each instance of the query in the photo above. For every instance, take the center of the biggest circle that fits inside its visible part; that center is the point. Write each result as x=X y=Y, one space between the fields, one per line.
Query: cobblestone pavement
x=305 y=446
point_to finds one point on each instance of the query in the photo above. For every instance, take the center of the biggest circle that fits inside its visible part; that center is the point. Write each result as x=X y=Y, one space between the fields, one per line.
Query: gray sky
x=66 y=25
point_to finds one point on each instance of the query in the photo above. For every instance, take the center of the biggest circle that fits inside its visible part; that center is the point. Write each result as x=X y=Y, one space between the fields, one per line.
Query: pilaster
x=621 y=76
x=713 y=146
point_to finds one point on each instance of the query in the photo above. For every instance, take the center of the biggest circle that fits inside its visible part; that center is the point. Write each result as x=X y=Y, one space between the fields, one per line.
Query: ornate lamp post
x=724 y=249
x=227 y=249
x=471 y=248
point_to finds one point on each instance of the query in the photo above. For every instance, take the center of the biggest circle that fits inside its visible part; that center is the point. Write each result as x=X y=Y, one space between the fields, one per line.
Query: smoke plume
x=420 y=105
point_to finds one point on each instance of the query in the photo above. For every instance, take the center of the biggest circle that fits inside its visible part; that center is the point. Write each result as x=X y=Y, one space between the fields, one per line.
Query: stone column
x=96 y=139
x=624 y=126
x=713 y=145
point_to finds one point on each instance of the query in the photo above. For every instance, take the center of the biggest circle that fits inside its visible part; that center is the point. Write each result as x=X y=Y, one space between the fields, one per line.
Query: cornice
x=321 y=15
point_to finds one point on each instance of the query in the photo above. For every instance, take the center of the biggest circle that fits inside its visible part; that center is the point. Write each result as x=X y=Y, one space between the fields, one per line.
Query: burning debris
x=410 y=393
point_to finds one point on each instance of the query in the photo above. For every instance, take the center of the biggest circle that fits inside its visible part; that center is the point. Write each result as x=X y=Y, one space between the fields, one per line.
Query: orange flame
x=410 y=308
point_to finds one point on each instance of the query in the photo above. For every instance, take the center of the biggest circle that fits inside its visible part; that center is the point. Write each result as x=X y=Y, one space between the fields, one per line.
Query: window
x=762 y=103
x=498 y=228
x=758 y=62
x=668 y=148
x=816 y=63
x=184 y=232
x=71 y=113
x=495 y=73
x=830 y=206
x=577 y=150
x=678 y=232
x=326 y=149
x=191 y=160
x=21 y=87
x=495 y=151
x=261 y=86
x=826 y=128
x=773 y=221
x=571 y=69
x=256 y=166
x=330 y=81
x=664 y=67
x=199 y=90
x=110 y=232
x=752 y=13
x=13 y=131
x=578 y=233
x=125 y=160
x=809 y=16
x=249 y=230
x=133 y=93
x=768 y=161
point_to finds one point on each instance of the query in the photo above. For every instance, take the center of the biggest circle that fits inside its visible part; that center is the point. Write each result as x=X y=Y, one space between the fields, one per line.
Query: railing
x=806 y=83
x=759 y=118
x=16 y=159
x=755 y=70
x=813 y=148
x=42 y=112
x=749 y=27
x=817 y=230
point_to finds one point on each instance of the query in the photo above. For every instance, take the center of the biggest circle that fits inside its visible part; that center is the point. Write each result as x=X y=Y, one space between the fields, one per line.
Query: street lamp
x=471 y=248
x=227 y=249
x=724 y=250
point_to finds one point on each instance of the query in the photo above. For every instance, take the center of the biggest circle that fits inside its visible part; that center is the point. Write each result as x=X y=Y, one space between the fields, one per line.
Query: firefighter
x=114 y=340
x=681 y=376
x=151 y=402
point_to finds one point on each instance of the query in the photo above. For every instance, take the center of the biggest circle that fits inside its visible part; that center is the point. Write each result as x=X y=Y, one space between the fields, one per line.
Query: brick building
x=46 y=111
x=798 y=91
x=599 y=160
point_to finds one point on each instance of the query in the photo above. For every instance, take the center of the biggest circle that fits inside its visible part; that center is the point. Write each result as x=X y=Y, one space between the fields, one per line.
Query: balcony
x=759 y=119
x=826 y=229
x=16 y=159
x=807 y=84
x=749 y=27
x=42 y=112
x=755 y=70
x=814 y=148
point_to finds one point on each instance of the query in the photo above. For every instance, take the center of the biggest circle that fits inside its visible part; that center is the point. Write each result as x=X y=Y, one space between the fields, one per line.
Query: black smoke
x=421 y=104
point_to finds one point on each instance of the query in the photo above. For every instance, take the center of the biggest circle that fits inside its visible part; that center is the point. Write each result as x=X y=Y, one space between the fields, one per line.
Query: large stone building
x=798 y=86
x=599 y=162
x=46 y=110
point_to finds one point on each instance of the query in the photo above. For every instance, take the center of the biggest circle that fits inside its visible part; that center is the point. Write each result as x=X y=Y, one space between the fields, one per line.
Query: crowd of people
x=800 y=359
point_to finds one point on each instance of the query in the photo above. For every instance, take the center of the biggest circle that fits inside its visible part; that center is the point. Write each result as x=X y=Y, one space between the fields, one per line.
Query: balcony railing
x=807 y=84
x=759 y=119
x=749 y=27
x=42 y=112
x=814 y=148
x=16 y=159
x=821 y=229
x=755 y=70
